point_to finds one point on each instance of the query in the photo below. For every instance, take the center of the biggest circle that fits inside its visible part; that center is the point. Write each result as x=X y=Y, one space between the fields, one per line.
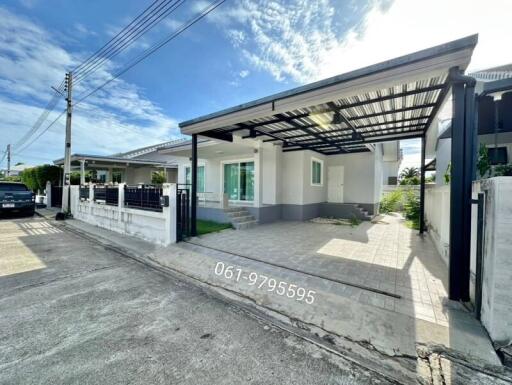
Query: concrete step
x=241 y=213
x=245 y=225
x=234 y=209
x=245 y=218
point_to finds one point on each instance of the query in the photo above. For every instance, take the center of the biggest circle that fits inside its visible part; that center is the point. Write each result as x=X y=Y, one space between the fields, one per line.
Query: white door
x=335 y=184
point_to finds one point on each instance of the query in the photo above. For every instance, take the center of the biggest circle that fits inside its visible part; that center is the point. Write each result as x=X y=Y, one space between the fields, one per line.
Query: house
x=272 y=184
x=493 y=122
x=133 y=167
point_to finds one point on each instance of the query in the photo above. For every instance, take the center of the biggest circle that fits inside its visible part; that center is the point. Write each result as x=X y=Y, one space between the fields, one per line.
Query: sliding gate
x=182 y=212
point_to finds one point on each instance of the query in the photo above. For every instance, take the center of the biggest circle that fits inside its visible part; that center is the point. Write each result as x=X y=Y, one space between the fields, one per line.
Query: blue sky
x=242 y=51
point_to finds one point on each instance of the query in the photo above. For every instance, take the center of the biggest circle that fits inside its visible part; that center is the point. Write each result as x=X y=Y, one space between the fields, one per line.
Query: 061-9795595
x=264 y=282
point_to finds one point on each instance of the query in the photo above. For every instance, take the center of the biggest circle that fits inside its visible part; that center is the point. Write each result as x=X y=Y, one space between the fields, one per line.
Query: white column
x=48 y=194
x=169 y=213
x=82 y=172
x=258 y=179
x=108 y=179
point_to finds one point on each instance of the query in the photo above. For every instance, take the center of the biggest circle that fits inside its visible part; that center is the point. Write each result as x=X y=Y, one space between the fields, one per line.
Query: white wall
x=359 y=172
x=292 y=178
x=443 y=158
x=157 y=227
x=378 y=173
x=313 y=194
x=437 y=217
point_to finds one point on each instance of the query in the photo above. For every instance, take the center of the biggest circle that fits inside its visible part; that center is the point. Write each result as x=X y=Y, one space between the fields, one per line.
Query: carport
x=393 y=100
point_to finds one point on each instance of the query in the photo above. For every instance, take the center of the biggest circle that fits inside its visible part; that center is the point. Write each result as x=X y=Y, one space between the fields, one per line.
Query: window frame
x=321 y=163
x=188 y=169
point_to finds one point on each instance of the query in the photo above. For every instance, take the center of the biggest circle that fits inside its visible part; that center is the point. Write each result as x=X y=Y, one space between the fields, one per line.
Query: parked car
x=16 y=197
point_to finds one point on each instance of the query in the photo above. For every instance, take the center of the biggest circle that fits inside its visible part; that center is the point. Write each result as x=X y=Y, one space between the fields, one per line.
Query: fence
x=106 y=194
x=141 y=215
x=143 y=197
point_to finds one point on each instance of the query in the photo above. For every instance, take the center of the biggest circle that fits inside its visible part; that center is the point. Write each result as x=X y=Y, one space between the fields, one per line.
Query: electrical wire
x=41 y=133
x=98 y=52
x=155 y=47
x=128 y=39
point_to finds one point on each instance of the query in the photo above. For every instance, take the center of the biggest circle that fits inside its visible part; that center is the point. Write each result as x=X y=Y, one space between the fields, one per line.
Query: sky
x=244 y=50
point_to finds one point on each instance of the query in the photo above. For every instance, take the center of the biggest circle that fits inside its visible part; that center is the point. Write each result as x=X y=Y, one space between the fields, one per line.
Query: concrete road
x=72 y=312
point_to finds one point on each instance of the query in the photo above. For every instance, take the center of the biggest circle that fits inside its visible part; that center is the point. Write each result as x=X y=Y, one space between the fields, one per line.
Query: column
x=193 y=194
x=82 y=172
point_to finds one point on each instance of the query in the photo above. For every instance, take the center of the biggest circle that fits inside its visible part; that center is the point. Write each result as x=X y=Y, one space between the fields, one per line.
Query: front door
x=335 y=178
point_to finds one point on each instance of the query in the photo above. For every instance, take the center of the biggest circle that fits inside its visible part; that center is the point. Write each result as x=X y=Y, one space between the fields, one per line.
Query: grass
x=205 y=227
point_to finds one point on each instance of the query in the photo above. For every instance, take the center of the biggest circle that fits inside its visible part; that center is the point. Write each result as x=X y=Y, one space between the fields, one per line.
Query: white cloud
x=117 y=118
x=302 y=40
x=244 y=73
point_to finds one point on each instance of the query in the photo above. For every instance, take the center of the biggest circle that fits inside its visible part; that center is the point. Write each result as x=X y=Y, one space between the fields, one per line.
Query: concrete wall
x=443 y=158
x=437 y=217
x=157 y=227
x=497 y=258
x=359 y=183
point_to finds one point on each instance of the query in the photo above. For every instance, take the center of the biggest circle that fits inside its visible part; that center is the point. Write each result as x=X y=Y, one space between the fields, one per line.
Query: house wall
x=359 y=183
x=443 y=158
x=312 y=193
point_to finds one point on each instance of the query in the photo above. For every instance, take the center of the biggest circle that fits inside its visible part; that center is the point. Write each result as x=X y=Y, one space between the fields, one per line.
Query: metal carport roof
x=396 y=99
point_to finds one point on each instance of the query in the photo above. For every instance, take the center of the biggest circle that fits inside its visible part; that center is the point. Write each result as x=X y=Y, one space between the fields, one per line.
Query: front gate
x=182 y=212
x=56 y=196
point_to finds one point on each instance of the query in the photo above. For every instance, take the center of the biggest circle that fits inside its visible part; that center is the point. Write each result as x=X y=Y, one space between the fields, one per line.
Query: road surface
x=72 y=312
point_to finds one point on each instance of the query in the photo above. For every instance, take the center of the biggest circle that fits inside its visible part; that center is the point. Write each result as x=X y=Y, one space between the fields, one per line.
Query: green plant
x=412 y=208
x=158 y=177
x=36 y=177
x=354 y=221
x=409 y=172
x=205 y=227
x=391 y=202
x=503 y=170
x=483 y=164
x=448 y=173
x=410 y=181
x=431 y=178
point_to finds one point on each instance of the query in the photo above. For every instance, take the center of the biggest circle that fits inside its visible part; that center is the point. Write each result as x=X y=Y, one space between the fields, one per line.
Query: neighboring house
x=494 y=122
x=17 y=169
x=118 y=169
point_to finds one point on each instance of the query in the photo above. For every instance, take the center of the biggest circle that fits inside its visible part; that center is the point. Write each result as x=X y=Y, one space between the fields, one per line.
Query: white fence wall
x=437 y=217
x=156 y=227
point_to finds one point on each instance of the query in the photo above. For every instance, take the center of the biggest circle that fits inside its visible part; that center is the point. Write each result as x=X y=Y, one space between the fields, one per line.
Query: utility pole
x=67 y=148
x=8 y=160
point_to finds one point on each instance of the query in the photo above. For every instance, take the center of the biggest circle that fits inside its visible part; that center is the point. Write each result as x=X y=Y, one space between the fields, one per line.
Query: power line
x=156 y=47
x=41 y=133
x=157 y=15
x=98 y=52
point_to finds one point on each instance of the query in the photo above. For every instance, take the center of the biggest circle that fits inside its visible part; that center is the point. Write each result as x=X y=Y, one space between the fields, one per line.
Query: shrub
x=391 y=201
x=503 y=170
x=410 y=181
x=412 y=208
x=158 y=177
x=35 y=178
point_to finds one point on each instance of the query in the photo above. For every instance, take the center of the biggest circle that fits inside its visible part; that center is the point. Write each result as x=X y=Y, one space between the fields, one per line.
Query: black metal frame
x=84 y=193
x=349 y=130
x=56 y=196
x=143 y=197
x=183 y=222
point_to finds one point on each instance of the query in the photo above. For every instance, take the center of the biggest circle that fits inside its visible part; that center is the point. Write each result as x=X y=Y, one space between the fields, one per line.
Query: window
x=316 y=172
x=200 y=177
x=239 y=181
x=497 y=155
x=117 y=176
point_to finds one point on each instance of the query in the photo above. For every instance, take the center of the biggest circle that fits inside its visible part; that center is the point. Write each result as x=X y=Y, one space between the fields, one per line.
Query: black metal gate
x=56 y=196
x=182 y=212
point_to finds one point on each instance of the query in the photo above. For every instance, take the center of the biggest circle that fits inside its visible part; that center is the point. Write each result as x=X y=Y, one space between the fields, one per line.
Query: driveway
x=72 y=312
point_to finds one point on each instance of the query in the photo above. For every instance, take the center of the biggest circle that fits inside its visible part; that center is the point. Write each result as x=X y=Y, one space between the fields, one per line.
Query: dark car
x=16 y=197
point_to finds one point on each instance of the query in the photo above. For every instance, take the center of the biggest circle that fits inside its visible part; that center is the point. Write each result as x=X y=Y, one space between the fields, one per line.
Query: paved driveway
x=72 y=312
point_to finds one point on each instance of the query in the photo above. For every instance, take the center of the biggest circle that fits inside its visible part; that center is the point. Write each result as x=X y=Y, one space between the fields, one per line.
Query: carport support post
x=193 y=193
x=422 y=186
x=460 y=184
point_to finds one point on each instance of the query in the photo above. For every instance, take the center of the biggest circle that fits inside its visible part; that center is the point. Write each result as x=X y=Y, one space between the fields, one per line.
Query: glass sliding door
x=239 y=181
x=200 y=177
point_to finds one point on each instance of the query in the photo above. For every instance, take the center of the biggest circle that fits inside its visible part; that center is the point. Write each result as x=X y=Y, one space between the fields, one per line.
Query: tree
x=158 y=177
x=409 y=172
